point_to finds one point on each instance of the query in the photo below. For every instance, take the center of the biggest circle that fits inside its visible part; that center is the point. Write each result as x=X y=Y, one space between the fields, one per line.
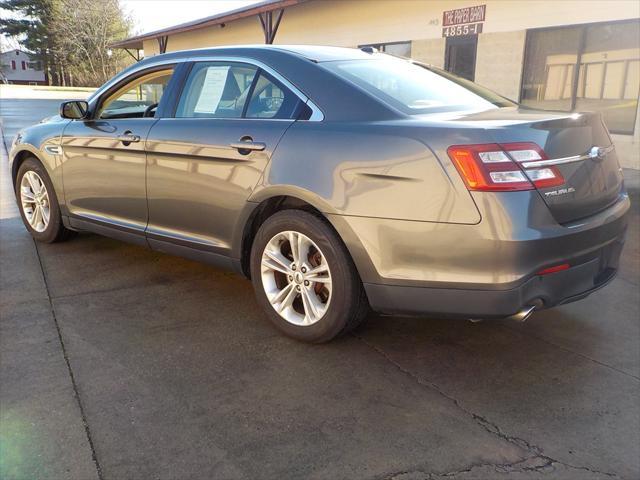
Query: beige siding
x=499 y=62
x=628 y=150
x=429 y=51
x=628 y=146
x=510 y=15
x=357 y=22
x=150 y=48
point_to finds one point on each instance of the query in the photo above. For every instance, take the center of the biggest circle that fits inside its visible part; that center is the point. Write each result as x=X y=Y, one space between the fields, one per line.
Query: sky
x=150 y=15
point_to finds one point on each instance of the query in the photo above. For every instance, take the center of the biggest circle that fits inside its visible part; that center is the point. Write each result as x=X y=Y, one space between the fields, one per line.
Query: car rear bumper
x=489 y=269
x=542 y=291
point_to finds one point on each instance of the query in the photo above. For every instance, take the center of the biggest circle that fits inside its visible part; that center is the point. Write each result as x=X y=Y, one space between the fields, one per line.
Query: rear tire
x=38 y=203
x=311 y=291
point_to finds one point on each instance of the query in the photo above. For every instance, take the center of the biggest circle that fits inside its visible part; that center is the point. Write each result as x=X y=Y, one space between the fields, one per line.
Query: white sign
x=212 y=88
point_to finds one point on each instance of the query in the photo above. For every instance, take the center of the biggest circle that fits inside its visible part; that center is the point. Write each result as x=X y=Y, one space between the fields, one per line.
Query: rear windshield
x=415 y=89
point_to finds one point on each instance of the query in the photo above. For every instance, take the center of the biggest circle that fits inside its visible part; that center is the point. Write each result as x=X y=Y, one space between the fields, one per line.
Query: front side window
x=138 y=98
x=414 y=89
x=216 y=90
x=585 y=67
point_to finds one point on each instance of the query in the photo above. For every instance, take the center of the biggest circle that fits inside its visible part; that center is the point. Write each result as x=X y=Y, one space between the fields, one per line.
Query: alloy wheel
x=35 y=201
x=296 y=278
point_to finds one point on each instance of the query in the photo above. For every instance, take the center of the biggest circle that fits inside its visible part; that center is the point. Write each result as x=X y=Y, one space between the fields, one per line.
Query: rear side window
x=270 y=99
x=234 y=90
x=414 y=89
x=216 y=90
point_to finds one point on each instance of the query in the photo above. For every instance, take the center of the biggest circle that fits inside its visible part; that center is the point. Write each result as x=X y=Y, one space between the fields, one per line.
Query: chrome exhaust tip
x=523 y=314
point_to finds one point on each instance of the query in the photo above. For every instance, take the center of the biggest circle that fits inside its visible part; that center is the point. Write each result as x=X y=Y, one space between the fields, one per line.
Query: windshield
x=414 y=88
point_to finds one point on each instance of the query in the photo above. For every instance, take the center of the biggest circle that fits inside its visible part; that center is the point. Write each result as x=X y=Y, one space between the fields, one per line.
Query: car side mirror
x=74 y=109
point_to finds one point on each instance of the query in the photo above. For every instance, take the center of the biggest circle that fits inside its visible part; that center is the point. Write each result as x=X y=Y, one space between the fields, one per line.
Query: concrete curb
x=8 y=207
x=4 y=151
x=22 y=92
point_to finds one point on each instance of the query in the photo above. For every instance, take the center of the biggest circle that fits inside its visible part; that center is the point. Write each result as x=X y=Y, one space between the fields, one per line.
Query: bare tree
x=84 y=29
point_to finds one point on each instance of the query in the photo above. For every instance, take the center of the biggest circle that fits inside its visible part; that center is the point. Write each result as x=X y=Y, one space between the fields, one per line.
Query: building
x=550 y=54
x=19 y=68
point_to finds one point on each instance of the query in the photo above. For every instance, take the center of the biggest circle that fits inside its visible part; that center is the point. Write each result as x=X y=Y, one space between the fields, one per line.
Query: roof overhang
x=255 y=9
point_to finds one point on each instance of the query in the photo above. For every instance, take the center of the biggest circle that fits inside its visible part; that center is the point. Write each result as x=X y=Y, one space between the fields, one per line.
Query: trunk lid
x=577 y=144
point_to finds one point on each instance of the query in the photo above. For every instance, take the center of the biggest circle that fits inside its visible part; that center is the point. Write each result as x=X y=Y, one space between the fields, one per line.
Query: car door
x=205 y=161
x=104 y=161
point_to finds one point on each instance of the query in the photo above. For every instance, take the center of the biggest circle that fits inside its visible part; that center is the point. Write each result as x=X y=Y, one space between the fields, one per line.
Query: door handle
x=244 y=146
x=127 y=137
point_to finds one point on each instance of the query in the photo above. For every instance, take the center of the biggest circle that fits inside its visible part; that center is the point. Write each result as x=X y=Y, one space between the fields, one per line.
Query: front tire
x=305 y=279
x=38 y=204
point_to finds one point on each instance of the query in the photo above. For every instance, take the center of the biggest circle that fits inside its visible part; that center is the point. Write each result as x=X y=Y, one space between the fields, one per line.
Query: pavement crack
x=91 y=292
x=586 y=469
x=69 y=368
x=534 y=460
x=533 y=463
x=479 y=419
x=568 y=350
x=536 y=463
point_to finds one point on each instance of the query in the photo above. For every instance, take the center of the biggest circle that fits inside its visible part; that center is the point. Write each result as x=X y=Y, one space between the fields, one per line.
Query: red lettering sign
x=461 y=16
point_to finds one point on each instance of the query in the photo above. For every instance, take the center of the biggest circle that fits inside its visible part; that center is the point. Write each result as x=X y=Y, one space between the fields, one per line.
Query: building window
x=399 y=49
x=24 y=65
x=594 y=67
x=13 y=64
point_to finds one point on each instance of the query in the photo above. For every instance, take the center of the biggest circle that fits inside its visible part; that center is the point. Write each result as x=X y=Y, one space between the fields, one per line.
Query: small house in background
x=19 y=68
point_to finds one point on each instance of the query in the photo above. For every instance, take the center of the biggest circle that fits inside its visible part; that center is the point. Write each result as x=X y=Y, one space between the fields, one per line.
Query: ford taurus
x=338 y=180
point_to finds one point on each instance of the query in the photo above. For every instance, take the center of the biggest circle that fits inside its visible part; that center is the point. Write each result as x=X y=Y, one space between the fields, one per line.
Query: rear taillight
x=488 y=168
x=492 y=167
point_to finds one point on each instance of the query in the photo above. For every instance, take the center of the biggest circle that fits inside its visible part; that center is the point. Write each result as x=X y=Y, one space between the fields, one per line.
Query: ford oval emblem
x=596 y=153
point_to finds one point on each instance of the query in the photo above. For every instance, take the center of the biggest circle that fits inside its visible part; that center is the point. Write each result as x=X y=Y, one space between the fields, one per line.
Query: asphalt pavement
x=120 y=363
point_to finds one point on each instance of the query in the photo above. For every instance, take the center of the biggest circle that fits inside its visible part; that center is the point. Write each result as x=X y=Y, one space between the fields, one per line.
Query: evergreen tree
x=31 y=26
x=70 y=37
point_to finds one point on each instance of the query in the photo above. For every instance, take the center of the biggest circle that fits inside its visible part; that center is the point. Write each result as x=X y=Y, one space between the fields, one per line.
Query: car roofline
x=314 y=53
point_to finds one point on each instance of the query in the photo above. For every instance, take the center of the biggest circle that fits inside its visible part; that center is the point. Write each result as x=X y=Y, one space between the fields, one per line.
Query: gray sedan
x=337 y=180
